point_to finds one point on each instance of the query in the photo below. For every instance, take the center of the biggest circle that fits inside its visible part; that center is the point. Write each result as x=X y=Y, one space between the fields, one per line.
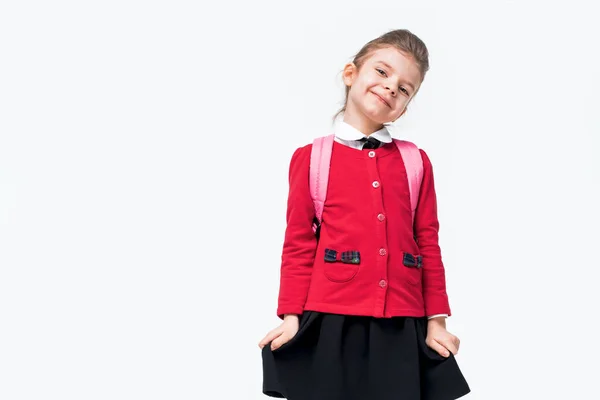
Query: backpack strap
x=414 y=170
x=320 y=159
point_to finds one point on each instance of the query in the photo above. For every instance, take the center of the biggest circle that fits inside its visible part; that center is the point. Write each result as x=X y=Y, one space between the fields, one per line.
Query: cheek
x=362 y=97
x=364 y=84
x=356 y=93
x=361 y=91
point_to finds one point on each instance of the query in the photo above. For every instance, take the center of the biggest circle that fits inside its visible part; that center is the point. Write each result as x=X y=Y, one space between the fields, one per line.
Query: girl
x=370 y=326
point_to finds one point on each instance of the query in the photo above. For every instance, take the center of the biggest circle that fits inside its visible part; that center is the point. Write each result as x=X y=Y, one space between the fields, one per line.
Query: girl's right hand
x=283 y=333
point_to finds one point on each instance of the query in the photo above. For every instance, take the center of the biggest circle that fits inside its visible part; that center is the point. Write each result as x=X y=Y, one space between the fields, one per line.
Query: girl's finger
x=270 y=336
x=450 y=345
x=457 y=343
x=435 y=345
x=277 y=343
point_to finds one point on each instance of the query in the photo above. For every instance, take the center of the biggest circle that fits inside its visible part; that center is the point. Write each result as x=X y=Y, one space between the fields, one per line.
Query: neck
x=361 y=123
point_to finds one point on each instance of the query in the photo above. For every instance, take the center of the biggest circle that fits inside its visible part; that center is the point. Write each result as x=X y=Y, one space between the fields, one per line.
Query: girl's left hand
x=440 y=340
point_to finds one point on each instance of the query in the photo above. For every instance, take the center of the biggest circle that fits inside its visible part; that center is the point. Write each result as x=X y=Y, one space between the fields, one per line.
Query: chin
x=376 y=118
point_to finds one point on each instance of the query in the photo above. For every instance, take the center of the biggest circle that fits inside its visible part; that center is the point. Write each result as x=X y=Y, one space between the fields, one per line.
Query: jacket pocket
x=341 y=266
x=413 y=267
x=338 y=272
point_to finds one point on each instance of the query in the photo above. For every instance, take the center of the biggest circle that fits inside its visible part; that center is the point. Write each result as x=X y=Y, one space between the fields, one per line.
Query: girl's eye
x=400 y=87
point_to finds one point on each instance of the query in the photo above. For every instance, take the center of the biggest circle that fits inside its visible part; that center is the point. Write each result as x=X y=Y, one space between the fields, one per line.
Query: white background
x=144 y=152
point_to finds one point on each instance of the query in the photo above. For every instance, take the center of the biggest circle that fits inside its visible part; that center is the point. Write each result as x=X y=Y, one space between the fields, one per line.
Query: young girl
x=371 y=327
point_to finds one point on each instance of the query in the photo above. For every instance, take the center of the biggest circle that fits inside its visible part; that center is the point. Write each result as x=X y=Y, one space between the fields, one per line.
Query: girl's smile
x=382 y=100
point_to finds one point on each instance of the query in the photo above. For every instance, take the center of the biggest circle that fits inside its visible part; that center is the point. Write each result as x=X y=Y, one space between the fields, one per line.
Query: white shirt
x=348 y=135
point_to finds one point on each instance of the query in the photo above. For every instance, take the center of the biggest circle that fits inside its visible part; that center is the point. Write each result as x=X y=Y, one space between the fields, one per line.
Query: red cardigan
x=367 y=210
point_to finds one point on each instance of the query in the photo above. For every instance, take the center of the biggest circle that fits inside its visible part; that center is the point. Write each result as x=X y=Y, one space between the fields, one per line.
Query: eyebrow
x=390 y=67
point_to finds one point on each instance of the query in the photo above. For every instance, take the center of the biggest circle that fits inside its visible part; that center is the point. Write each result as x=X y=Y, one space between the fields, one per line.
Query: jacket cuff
x=437 y=315
x=437 y=304
x=289 y=309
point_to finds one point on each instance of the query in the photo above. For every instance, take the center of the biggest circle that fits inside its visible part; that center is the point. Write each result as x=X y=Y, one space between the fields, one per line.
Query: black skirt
x=343 y=357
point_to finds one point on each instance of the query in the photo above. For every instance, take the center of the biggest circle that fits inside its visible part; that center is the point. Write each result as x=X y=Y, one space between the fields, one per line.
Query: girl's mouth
x=382 y=100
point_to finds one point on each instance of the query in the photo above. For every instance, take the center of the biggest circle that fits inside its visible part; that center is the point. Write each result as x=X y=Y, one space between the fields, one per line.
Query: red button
x=382 y=252
x=381 y=217
x=382 y=283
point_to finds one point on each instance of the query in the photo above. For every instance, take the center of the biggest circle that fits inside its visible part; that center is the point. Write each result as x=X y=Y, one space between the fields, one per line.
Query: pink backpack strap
x=414 y=170
x=320 y=159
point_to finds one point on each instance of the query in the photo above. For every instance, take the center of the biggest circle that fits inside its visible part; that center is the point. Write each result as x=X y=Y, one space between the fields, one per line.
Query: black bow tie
x=370 y=142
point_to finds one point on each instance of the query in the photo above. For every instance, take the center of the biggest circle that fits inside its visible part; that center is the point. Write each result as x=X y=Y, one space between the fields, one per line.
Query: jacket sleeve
x=426 y=232
x=300 y=243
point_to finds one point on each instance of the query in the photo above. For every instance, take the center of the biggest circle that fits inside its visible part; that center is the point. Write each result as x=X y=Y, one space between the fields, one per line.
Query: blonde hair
x=401 y=39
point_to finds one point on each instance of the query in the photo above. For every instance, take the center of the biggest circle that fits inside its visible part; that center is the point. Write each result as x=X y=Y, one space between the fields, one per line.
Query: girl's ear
x=349 y=74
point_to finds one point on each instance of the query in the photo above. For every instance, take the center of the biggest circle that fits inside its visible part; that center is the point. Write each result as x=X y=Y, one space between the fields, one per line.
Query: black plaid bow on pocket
x=347 y=257
x=411 y=261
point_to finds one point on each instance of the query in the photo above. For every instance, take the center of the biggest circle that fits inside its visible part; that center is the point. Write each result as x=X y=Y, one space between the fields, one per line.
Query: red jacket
x=367 y=210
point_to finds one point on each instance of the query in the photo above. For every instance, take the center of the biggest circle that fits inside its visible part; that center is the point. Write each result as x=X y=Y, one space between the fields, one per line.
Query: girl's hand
x=439 y=339
x=283 y=333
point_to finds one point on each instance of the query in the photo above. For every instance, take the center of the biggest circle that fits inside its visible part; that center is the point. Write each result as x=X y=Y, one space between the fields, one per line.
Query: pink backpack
x=320 y=159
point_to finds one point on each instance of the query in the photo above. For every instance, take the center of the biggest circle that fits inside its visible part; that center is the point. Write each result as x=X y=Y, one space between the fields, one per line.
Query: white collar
x=345 y=131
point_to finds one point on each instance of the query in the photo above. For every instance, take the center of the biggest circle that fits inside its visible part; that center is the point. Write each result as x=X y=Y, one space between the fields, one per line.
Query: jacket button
x=371 y=154
x=381 y=217
x=375 y=184
x=382 y=252
x=382 y=283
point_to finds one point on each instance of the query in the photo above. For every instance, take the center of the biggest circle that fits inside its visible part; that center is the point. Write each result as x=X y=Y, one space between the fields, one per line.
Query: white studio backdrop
x=144 y=153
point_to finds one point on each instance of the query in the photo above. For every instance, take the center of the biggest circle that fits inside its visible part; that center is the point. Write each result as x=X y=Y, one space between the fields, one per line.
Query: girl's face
x=382 y=89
